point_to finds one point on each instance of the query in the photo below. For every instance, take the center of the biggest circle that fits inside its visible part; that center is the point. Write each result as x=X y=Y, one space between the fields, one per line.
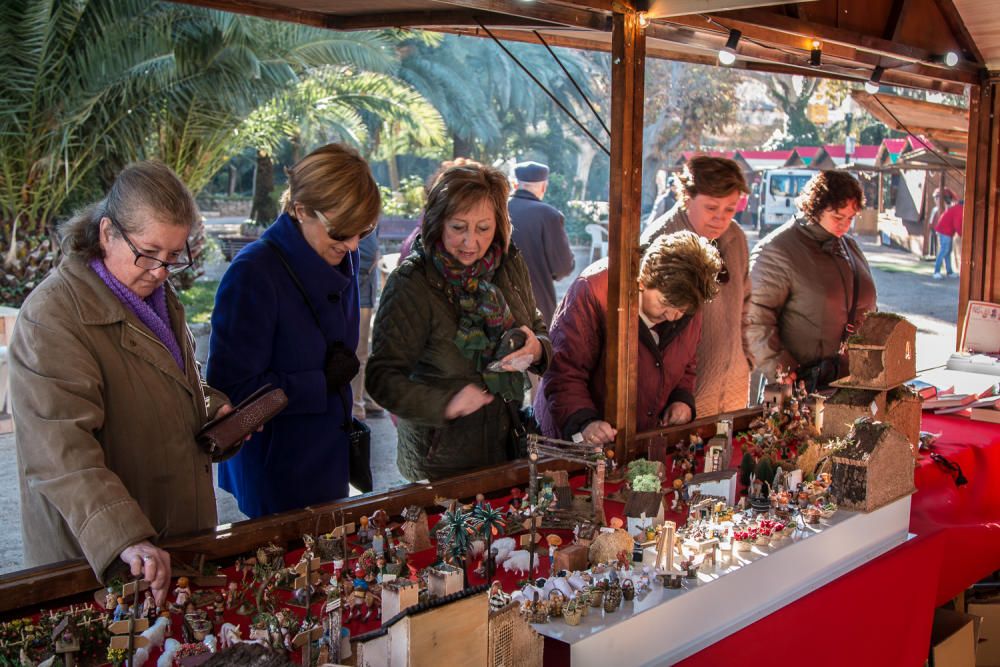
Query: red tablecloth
x=881 y=613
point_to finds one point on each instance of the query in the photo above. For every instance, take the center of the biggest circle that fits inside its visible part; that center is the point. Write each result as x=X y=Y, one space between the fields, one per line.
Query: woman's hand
x=467 y=401
x=599 y=433
x=525 y=356
x=153 y=564
x=677 y=413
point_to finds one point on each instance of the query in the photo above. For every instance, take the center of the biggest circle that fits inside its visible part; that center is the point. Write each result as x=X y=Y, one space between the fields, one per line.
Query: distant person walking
x=666 y=196
x=540 y=233
x=948 y=226
x=368 y=279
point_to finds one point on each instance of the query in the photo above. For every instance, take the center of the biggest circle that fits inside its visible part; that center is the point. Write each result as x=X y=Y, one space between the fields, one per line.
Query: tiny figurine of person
x=110 y=599
x=121 y=610
x=182 y=592
x=480 y=500
x=696 y=444
x=232 y=594
x=359 y=589
x=678 y=485
x=364 y=533
x=149 y=607
x=219 y=605
x=378 y=543
x=382 y=567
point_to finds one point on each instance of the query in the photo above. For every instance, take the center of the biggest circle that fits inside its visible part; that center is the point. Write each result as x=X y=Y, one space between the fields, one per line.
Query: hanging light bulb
x=816 y=54
x=872 y=84
x=643 y=19
x=727 y=54
x=949 y=59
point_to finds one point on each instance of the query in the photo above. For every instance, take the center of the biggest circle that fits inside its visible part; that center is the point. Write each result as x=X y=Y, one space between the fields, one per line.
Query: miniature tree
x=746 y=468
x=457 y=533
x=489 y=522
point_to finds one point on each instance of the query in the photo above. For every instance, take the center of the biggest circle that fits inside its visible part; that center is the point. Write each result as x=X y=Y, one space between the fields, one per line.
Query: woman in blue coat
x=287 y=314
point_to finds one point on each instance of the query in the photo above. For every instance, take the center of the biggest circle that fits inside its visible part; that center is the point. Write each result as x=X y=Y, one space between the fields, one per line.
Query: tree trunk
x=393 y=172
x=234 y=175
x=462 y=148
x=264 y=210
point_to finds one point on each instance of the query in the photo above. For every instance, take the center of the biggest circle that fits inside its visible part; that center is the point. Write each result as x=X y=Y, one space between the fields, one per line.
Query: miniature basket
x=572 y=613
x=612 y=598
x=596 y=597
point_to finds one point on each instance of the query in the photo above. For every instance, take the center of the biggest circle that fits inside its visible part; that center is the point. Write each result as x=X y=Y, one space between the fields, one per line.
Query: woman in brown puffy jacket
x=811 y=285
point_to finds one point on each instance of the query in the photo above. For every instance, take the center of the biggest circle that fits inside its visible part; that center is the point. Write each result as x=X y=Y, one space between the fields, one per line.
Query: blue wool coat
x=263 y=332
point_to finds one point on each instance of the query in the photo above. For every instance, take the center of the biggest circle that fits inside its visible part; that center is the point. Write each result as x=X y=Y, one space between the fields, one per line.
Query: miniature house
x=444 y=580
x=430 y=634
x=416 y=536
x=720 y=484
x=719 y=449
x=883 y=352
x=643 y=509
x=513 y=642
x=874 y=469
x=777 y=393
x=398 y=595
x=899 y=407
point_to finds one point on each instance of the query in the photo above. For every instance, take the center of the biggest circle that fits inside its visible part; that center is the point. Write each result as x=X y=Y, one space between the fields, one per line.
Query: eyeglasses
x=149 y=263
x=341 y=237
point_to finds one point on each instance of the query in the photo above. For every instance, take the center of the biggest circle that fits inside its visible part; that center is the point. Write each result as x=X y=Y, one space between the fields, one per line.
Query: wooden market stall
x=905 y=41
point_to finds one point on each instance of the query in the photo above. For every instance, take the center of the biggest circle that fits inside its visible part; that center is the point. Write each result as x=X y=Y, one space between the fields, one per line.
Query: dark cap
x=531 y=172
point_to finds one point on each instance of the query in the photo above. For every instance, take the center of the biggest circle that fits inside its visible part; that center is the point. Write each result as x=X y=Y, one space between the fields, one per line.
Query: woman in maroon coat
x=677 y=275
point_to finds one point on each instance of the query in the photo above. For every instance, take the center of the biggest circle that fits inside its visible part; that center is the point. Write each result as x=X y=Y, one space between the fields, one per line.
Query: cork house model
x=899 y=407
x=874 y=469
x=882 y=353
x=415 y=535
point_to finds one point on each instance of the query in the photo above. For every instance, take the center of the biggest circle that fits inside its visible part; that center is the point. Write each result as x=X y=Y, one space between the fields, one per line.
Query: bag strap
x=348 y=414
x=849 y=328
x=295 y=279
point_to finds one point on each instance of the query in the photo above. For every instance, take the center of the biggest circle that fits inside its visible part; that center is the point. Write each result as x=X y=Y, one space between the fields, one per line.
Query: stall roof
x=946 y=126
x=854 y=36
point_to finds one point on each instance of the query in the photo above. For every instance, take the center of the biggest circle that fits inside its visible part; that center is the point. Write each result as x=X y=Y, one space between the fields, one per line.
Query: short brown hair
x=141 y=187
x=457 y=190
x=712 y=176
x=335 y=177
x=684 y=267
x=829 y=190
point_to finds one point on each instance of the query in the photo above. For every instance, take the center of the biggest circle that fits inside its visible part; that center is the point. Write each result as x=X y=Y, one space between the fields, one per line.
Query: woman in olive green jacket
x=439 y=324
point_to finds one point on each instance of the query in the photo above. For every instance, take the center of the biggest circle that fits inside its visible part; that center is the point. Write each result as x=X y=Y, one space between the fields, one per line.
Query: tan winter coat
x=723 y=370
x=801 y=296
x=105 y=424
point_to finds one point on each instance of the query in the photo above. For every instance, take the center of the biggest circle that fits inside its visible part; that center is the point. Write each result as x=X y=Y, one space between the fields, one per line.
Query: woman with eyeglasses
x=105 y=390
x=677 y=275
x=811 y=286
x=287 y=314
x=710 y=189
x=438 y=361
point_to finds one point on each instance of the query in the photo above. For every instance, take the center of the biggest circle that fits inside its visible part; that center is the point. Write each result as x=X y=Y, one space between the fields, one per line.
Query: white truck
x=779 y=189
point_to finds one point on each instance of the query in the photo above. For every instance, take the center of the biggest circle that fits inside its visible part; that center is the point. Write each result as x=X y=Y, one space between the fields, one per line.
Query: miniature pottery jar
x=596 y=597
x=612 y=598
x=572 y=613
x=628 y=590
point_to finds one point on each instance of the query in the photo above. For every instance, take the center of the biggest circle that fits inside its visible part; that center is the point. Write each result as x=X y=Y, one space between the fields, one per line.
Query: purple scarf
x=151 y=311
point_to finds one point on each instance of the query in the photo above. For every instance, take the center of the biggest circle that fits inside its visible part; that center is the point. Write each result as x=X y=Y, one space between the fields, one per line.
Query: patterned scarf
x=485 y=315
x=151 y=311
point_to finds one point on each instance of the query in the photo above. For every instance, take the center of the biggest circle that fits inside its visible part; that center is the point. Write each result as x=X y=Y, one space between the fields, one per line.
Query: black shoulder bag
x=358 y=434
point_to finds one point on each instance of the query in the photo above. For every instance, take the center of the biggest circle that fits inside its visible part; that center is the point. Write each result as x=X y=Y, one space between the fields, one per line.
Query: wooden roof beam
x=432 y=20
x=549 y=13
x=772 y=21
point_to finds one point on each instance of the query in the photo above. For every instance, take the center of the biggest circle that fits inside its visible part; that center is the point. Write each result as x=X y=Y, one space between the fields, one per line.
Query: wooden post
x=980 y=279
x=628 y=52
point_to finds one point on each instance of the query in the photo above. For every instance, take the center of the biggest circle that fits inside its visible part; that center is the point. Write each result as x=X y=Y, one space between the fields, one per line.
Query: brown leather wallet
x=223 y=437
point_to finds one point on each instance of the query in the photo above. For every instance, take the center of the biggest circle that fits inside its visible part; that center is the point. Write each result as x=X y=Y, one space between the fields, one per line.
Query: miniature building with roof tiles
x=899 y=406
x=874 y=469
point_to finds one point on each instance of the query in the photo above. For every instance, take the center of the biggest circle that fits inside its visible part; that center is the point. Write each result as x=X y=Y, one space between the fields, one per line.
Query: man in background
x=540 y=235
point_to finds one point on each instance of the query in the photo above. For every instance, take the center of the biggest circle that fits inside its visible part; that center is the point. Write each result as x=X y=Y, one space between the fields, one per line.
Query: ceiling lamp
x=872 y=84
x=727 y=54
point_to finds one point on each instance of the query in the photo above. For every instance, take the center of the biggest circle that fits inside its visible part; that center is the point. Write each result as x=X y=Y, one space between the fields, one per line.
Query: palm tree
x=457 y=533
x=488 y=522
x=90 y=85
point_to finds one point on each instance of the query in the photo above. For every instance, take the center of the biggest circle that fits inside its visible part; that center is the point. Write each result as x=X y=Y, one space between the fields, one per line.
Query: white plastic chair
x=598 y=240
x=386 y=265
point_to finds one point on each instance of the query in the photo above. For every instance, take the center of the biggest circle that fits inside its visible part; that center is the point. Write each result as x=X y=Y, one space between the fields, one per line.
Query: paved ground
x=904 y=286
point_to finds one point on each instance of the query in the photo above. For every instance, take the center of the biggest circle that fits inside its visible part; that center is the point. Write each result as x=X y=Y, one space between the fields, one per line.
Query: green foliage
x=199 y=300
x=408 y=201
x=645 y=483
x=637 y=467
x=764 y=470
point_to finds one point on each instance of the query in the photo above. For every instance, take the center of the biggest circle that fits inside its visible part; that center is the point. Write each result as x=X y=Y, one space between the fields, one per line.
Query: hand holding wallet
x=223 y=436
